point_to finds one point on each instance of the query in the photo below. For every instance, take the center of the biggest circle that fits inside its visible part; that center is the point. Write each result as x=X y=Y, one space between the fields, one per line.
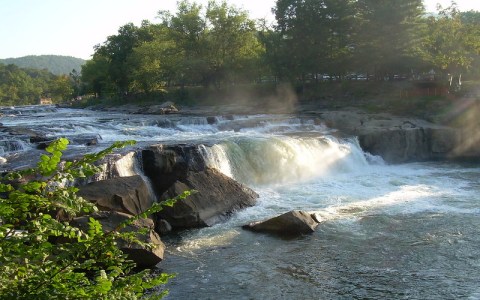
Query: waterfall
x=283 y=159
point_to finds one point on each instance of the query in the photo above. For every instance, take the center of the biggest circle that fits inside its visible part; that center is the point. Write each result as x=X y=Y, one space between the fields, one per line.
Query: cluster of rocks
x=165 y=108
x=169 y=171
x=11 y=135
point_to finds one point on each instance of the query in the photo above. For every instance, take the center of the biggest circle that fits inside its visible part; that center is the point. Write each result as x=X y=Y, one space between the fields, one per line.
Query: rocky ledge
x=401 y=139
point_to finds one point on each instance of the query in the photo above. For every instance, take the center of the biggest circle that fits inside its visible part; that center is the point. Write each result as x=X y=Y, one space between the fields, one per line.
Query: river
x=406 y=231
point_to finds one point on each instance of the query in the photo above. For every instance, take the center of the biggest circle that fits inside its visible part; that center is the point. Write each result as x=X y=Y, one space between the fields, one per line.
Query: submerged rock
x=216 y=197
x=143 y=257
x=292 y=223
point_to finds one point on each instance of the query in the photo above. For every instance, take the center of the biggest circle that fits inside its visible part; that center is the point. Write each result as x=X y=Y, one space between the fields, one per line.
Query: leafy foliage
x=43 y=256
x=21 y=86
x=219 y=45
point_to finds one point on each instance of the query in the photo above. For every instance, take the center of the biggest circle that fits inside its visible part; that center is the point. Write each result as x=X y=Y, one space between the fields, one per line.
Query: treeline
x=22 y=86
x=313 y=40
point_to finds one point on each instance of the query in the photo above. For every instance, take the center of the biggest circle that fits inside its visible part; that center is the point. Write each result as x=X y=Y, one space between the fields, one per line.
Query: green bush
x=43 y=256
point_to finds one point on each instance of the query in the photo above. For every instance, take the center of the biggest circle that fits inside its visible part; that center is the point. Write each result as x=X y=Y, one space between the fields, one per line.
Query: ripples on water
x=390 y=232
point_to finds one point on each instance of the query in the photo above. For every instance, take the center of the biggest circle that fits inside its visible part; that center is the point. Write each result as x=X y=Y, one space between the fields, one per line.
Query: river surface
x=407 y=231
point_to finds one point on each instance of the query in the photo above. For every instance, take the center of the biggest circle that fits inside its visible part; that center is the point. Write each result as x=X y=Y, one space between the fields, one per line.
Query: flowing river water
x=407 y=231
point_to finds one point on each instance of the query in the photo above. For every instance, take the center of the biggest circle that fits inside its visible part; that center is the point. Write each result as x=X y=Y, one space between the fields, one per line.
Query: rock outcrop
x=398 y=139
x=292 y=223
x=143 y=257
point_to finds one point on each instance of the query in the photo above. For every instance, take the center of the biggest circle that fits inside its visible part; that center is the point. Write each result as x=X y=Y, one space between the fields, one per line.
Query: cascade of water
x=283 y=159
x=9 y=146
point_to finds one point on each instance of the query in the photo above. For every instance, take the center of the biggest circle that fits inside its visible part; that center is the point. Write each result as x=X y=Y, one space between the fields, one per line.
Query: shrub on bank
x=43 y=256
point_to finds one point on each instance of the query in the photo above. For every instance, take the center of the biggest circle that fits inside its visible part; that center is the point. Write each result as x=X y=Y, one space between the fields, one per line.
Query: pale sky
x=73 y=27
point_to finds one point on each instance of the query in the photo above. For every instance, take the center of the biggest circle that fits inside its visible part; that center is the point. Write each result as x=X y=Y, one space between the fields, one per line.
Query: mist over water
x=406 y=231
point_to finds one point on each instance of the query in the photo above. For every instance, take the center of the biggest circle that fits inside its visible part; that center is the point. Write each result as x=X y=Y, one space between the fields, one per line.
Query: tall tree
x=233 y=45
x=155 y=64
x=389 y=35
x=187 y=29
x=118 y=48
x=316 y=34
x=95 y=75
x=453 y=43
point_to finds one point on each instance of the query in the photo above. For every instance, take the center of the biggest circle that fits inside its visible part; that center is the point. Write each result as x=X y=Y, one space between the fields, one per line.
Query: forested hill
x=56 y=64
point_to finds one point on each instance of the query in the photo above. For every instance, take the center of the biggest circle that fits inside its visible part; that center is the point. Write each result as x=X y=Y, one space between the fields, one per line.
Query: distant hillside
x=56 y=64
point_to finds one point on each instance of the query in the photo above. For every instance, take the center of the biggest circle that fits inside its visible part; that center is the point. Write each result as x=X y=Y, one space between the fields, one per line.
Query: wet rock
x=162 y=109
x=212 y=120
x=143 y=257
x=216 y=198
x=397 y=139
x=84 y=139
x=292 y=223
x=163 y=227
x=398 y=145
x=165 y=165
x=122 y=194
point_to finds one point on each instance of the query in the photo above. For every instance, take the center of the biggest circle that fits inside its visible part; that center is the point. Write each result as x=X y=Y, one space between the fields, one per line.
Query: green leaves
x=48 y=164
x=43 y=256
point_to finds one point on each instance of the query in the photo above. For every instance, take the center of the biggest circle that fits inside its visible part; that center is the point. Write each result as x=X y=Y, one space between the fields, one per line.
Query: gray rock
x=216 y=198
x=292 y=223
x=143 y=257
x=165 y=165
x=123 y=194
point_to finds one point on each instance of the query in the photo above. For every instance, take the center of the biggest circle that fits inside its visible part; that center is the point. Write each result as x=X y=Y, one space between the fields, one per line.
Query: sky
x=74 y=27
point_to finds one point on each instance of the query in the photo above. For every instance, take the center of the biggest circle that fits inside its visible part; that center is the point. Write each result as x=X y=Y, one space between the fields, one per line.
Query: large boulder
x=292 y=223
x=142 y=256
x=129 y=195
x=166 y=164
x=216 y=197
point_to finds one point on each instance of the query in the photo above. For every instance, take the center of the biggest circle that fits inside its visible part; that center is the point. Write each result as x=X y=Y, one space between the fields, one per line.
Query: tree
x=233 y=47
x=187 y=29
x=452 y=44
x=20 y=86
x=316 y=35
x=117 y=49
x=389 y=36
x=61 y=88
x=95 y=75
